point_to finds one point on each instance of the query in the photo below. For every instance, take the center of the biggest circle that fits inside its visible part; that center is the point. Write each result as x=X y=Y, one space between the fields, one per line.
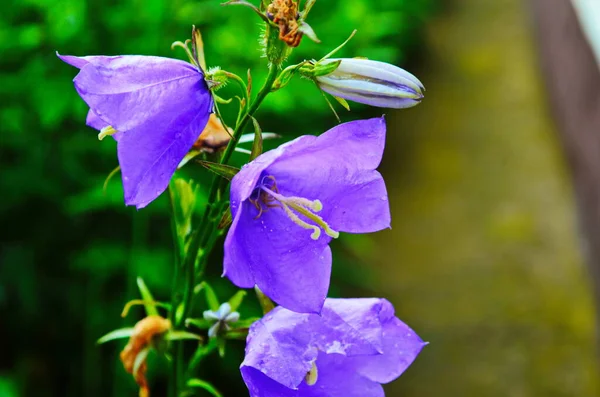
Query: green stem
x=204 y=238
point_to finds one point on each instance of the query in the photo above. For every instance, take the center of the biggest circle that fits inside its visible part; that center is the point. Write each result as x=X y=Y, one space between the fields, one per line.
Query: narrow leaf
x=204 y=385
x=245 y=323
x=236 y=300
x=236 y=335
x=246 y=138
x=198 y=47
x=247 y=4
x=182 y=335
x=223 y=170
x=342 y=102
x=257 y=146
x=225 y=219
x=139 y=360
x=147 y=297
x=116 y=334
x=221 y=346
x=198 y=323
x=211 y=297
x=249 y=86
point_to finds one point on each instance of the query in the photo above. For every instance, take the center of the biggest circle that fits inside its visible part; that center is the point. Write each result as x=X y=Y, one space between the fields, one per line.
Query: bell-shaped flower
x=154 y=107
x=371 y=82
x=290 y=202
x=353 y=347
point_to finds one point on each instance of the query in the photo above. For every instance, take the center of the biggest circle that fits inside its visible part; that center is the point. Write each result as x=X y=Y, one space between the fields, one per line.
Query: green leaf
x=211 y=297
x=236 y=335
x=245 y=323
x=199 y=323
x=182 y=335
x=147 y=297
x=257 y=145
x=236 y=300
x=221 y=346
x=202 y=351
x=225 y=219
x=223 y=170
x=116 y=334
x=204 y=385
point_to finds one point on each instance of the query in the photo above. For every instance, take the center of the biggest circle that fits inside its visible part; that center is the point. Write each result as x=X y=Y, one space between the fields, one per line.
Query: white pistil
x=106 y=131
x=304 y=207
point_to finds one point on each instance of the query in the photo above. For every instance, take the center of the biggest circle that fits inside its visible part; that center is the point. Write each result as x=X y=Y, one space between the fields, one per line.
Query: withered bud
x=144 y=334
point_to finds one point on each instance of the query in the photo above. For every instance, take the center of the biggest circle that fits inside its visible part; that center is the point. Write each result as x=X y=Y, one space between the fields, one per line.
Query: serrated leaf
x=182 y=335
x=147 y=297
x=116 y=334
x=236 y=300
x=211 y=297
x=257 y=145
x=204 y=385
x=223 y=170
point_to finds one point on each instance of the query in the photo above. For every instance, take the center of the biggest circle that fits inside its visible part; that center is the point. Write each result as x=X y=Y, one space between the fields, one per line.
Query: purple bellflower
x=349 y=351
x=155 y=108
x=290 y=202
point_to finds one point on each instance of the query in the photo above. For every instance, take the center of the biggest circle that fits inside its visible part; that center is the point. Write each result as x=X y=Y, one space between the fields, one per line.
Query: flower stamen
x=297 y=205
x=106 y=131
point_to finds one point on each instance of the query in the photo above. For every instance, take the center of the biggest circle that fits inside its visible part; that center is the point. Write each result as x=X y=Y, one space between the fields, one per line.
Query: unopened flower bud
x=370 y=82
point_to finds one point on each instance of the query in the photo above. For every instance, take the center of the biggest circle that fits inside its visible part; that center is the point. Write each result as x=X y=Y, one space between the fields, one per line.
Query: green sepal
x=236 y=300
x=226 y=219
x=286 y=75
x=342 y=102
x=325 y=69
x=147 y=297
x=116 y=334
x=257 y=145
x=202 y=384
x=211 y=297
x=223 y=170
x=308 y=31
x=265 y=303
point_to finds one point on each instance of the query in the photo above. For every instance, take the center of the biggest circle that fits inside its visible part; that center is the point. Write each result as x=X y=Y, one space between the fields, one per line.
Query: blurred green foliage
x=69 y=252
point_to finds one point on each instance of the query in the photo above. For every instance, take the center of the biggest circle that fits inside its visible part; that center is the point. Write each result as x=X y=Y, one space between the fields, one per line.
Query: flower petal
x=338 y=378
x=401 y=345
x=279 y=346
x=94 y=121
x=278 y=256
x=351 y=327
x=341 y=175
x=128 y=91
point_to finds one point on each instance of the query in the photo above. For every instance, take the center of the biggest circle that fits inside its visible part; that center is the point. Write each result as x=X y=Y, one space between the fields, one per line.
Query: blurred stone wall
x=483 y=259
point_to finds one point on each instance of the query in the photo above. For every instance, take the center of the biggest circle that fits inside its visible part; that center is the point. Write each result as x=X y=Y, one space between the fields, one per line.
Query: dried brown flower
x=142 y=337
